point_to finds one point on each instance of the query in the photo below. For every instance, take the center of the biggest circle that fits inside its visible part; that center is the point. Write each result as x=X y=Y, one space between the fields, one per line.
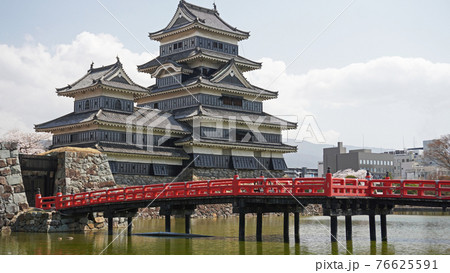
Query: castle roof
x=197 y=53
x=112 y=76
x=155 y=151
x=232 y=116
x=143 y=117
x=279 y=147
x=189 y=16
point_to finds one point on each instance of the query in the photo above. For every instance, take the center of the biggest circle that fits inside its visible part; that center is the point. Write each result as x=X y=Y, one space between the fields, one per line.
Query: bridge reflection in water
x=338 y=197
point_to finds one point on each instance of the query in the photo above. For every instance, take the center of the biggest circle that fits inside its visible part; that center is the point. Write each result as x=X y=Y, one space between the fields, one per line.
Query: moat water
x=407 y=235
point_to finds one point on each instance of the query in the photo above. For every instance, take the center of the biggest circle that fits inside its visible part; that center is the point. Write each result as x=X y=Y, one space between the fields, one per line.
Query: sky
x=370 y=73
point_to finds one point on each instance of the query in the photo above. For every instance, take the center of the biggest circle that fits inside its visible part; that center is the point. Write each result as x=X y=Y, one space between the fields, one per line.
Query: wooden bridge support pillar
x=259 y=216
x=297 y=227
x=187 y=224
x=348 y=227
x=373 y=234
x=334 y=228
x=110 y=225
x=167 y=218
x=241 y=225
x=383 y=227
x=130 y=225
x=286 y=227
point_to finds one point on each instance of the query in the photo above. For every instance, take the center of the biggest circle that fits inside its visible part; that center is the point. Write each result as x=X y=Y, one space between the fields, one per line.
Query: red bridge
x=338 y=197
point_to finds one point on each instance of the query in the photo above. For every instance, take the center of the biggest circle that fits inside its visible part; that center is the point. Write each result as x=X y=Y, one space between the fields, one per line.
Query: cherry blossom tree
x=361 y=174
x=28 y=142
x=438 y=152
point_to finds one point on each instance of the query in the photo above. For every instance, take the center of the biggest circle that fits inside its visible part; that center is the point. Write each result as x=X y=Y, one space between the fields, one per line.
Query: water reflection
x=413 y=235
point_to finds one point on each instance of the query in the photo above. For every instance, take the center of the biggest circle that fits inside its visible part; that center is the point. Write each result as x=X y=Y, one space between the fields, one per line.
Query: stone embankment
x=35 y=220
x=12 y=191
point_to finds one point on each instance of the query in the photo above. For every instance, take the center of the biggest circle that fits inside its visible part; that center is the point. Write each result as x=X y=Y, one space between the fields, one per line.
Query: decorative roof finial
x=118 y=60
x=92 y=65
x=215 y=7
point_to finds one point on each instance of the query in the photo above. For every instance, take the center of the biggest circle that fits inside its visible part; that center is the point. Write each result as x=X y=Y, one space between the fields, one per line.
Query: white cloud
x=29 y=75
x=384 y=99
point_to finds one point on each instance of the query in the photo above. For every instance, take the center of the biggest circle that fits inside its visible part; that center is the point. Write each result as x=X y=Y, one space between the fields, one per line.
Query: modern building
x=405 y=160
x=302 y=172
x=202 y=114
x=337 y=159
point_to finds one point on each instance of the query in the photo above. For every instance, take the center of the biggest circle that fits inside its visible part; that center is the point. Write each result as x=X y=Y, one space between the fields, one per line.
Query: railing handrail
x=329 y=186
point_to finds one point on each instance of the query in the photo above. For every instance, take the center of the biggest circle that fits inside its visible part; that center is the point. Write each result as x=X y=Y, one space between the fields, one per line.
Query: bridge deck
x=274 y=191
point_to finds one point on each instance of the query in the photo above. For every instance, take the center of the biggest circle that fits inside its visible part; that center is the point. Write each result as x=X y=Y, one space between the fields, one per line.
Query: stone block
x=99 y=220
x=19 y=188
x=16 y=169
x=2 y=180
x=7 y=197
x=7 y=189
x=20 y=198
x=14 y=179
x=4 y=154
x=3 y=163
x=11 y=161
x=23 y=206
x=14 y=153
x=2 y=189
x=11 y=209
x=91 y=225
x=5 y=171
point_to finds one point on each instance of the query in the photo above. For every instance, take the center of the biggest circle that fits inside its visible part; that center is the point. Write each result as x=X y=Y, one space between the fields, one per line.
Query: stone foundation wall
x=52 y=222
x=83 y=170
x=12 y=191
x=140 y=180
x=196 y=174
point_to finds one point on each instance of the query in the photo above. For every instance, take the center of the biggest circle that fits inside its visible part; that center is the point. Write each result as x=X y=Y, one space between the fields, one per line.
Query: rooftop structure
x=202 y=113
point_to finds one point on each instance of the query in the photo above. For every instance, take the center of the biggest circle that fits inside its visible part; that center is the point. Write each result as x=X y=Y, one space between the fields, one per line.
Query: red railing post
x=329 y=183
x=369 y=183
x=236 y=184
x=38 y=199
x=58 y=198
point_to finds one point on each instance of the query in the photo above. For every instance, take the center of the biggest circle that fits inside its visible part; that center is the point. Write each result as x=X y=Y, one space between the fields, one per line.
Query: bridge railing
x=417 y=189
x=350 y=187
x=339 y=187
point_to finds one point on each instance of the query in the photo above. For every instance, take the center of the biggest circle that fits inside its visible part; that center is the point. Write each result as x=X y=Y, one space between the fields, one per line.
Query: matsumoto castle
x=202 y=114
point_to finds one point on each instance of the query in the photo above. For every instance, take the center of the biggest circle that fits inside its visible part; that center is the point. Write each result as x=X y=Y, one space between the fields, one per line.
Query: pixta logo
x=148 y=128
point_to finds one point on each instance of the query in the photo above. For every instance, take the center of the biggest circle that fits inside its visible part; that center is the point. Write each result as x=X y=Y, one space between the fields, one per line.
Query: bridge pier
x=383 y=227
x=334 y=228
x=297 y=227
x=372 y=230
x=286 y=227
x=241 y=225
x=348 y=227
x=130 y=226
x=167 y=222
x=259 y=217
x=110 y=225
x=187 y=224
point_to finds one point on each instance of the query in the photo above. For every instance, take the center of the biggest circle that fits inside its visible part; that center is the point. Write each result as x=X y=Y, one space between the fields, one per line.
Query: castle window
x=86 y=105
x=221 y=46
x=214 y=44
x=232 y=101
x=118 y=105
x=156 y=106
